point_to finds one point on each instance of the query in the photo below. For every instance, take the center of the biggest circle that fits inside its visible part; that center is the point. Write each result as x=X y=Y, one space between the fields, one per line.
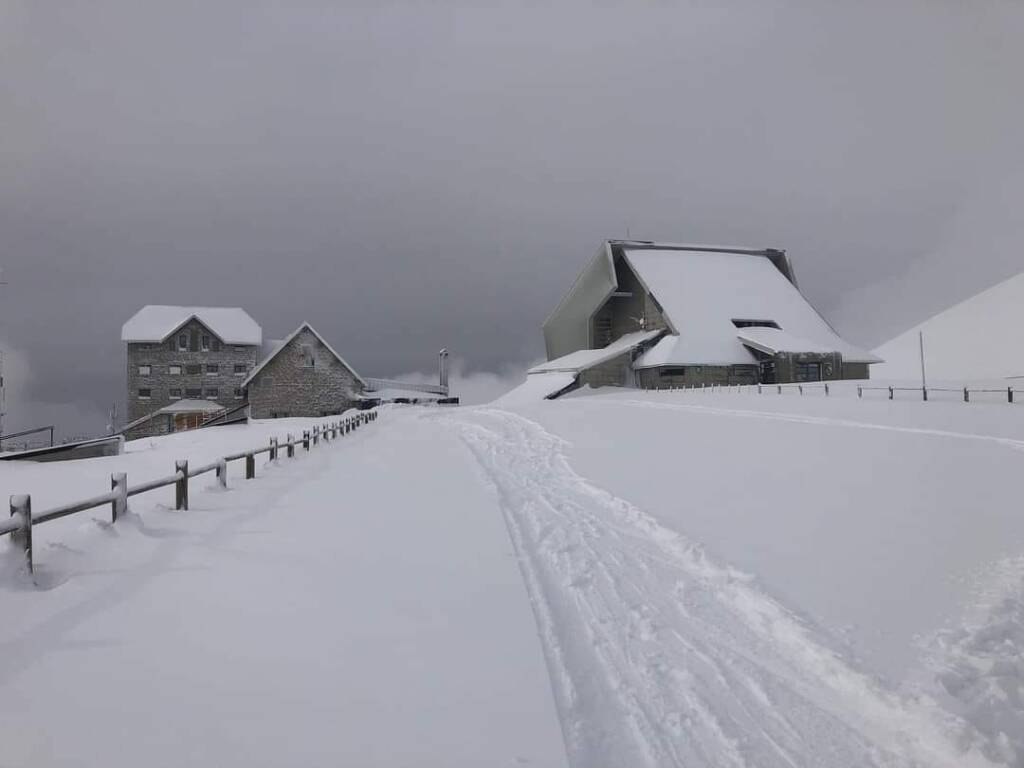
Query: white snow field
x=614 y=578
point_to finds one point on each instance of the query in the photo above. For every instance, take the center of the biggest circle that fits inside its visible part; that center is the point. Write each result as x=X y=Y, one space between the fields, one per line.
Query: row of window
x=174 y=393
x=176 y=369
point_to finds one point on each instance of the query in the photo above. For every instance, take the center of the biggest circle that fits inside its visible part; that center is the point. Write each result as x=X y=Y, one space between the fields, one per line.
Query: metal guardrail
x=22 y=520
x=49 y=428
x=1009 y=392
x=374 y=385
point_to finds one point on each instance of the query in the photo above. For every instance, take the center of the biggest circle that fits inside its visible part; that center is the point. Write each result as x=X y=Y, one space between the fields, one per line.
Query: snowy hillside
x=980 y=338
x=610 y=579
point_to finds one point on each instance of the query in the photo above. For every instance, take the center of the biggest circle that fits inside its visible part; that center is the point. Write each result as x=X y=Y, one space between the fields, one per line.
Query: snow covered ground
x=613 y=578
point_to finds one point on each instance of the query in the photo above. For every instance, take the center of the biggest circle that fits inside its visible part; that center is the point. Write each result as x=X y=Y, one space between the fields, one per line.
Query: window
x=212 y=370
x=808 y=371
x=673 y=371
x=174 y=370
x=193 y=369
x=145 y=370
x=239 y=393
x=212 y=392
x=193 y=392
x=205 y=343
x=145 y=394
x=755 y=323
x=308 y=360
x=279 y=415
x=182 y=341
x=240 y=370
x=174 y=393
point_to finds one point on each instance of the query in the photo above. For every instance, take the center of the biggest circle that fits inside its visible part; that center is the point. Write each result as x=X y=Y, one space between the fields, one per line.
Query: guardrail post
x=890 y=393
x=924 y=394
x=273 y=449
x=291 y=447
x=250 y=466
x=1009 y=394
x=21 y=505
x=119 y=506
x=181 y=486
x=305 y=439
x=967 y=395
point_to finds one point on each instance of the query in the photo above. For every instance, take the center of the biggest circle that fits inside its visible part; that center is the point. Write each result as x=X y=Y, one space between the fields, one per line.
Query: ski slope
x=612 y=578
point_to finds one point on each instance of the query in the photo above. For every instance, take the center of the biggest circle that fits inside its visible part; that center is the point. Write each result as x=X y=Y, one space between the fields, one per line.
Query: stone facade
x=232 y=364
x=303 y=378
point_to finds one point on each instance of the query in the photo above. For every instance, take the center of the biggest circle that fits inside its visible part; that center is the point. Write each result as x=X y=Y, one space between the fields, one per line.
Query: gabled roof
x=703 y=291
x=156 y=322
x=288 y=340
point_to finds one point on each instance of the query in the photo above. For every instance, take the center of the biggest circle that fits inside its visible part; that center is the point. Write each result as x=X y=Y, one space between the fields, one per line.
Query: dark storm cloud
x=411 y=176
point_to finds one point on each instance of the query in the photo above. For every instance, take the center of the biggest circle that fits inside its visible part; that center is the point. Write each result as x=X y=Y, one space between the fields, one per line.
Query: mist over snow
x=473 y=387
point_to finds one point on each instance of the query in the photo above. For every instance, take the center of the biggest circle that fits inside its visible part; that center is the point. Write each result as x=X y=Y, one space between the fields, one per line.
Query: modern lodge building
x=655 y=315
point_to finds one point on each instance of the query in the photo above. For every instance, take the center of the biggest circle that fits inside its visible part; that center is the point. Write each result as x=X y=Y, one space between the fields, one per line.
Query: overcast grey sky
x=410 y=176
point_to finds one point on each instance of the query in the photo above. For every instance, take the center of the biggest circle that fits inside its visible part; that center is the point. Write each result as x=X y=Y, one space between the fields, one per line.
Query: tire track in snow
x=661 y=657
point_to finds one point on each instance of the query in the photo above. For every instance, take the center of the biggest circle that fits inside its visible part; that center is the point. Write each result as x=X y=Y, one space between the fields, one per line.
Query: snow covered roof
x=285 y=342
x=156 y=322
x=773 y=340
x=588 y=358
x=191 y=406
x=702 y=293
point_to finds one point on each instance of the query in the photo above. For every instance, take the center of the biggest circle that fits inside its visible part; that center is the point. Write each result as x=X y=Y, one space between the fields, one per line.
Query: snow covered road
x=723 y=583
x=661 y=656
x=359 y=605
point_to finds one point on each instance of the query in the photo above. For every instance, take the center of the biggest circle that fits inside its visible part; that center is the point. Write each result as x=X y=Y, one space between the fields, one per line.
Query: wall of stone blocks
x=288 y=386
x=160 y=381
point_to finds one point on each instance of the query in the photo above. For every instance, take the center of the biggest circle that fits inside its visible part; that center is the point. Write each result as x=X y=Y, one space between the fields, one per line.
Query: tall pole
x=920 y=341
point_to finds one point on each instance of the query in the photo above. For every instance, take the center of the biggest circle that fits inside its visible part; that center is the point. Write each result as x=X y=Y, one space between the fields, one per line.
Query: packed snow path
x=660 y=656
x=358 y=605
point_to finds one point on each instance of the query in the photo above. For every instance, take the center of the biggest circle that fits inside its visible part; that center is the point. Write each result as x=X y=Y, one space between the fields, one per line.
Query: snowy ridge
x=661 y=657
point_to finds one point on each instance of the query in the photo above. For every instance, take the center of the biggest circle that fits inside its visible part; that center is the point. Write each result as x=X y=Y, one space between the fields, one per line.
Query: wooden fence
x=22 y=519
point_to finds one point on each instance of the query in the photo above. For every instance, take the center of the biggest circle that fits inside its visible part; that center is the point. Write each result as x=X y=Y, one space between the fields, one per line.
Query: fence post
x=250 y=466
x=801 y=388
x=826 y=389
x=1009 y=394
x=890 y=393
x=181 y=486
x=967 y=395
x=924 y=394
x=305 y=439
x=316 y=435
x=118 y=507
x=21 y=505
x=222 y=473
x=860 y=391
x=780 y=388
x=273 y=449
x=291 y=447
